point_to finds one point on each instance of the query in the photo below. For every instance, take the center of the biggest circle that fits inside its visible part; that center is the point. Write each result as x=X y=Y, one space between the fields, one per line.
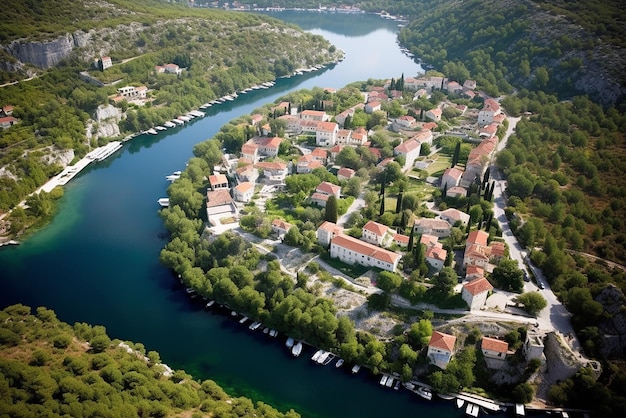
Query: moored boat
x=160 y=128
x=164 y=202
x=289 y=342
x=297 y=349
x=243 y=319
x=472 y=409
x=424 y=393
x=209 y=304
x=389 y=382
x=273 y=333
x=330 y=357
x=317 y=355
x=459 y=403
x=383 y=380
x=254 y=326
x=355 y=369
x=169 y=124
x=339 y=363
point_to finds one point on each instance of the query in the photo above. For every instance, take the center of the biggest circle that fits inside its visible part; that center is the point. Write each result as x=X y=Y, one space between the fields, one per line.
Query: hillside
x=50 y=368
x=569 y=48
x=60 y=116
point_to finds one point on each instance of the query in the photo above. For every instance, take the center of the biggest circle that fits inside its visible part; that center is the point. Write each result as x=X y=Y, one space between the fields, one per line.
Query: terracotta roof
x=442 y=341
x=244 y=187
x=437 y=252
x=432 y=223
x=326 y=126
x=429 y=240
x=217 y=179
x=376 y=228
x=248 y=148
x=281 y=224
x=218 y=198
x=453 y=172
x=365 y=248
x=401 y=238
x=477 y=237
x=318 y=113
x=319 y=153
x=331 y=227
x=328 y=188
x=472 y=270
x=320 y=196
x=493 y=344
x=271 y=165
x=478 y=286
x=336 y=149
x=273 y=142
x=436 y=111
x=408 y=146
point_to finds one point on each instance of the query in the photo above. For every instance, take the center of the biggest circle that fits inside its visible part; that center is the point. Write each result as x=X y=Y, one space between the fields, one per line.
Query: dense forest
x=51 y=369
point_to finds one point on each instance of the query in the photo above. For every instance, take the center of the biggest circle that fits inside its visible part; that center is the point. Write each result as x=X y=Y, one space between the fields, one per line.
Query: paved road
x=358 y=203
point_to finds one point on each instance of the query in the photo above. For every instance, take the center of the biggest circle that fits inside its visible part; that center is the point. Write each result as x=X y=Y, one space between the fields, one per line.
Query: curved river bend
x=98 y=261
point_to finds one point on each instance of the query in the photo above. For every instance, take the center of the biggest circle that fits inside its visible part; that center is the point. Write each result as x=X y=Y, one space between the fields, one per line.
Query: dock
x=488 y=404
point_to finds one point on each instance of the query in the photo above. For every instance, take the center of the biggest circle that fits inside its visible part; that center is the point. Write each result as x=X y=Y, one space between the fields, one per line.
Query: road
x=555 y=316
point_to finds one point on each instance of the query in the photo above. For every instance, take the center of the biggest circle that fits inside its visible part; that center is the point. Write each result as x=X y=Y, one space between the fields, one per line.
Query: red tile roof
x=408 y=146
x=218 y=198
x=478 y=237
x=478 y=286
x=367 y=249
x=376 y=228
x=493 y=344
x=328 y=188
x=442 y=341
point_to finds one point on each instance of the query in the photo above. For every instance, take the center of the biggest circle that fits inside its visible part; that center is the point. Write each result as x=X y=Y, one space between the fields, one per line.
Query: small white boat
x=519 y=410
x=472 y=409
x=178 y=121
x=164 y=202
x=254 y=326
x=459 y=403
x=389 y=382
x=297 y=349
x=355 y=369
x=383 y=380
x=151 y=131
x=184 y=118
x=209 y=304
x=243 y=319
x=266 y=330
x=190 y=291
x=410 y=386
x=424 y=393
x=322 y=358
x=177 y=173
x=330 y=357
x=317 y=355
x=446 y=396
x=273 y=333
x=169 y=124
x=172 y=177
x=397 y=385
x=339 y=363
x=289 y=342
x=233 y=313
x=160 y=128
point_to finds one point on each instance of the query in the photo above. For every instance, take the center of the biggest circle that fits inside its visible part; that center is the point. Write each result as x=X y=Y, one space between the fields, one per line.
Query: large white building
x=354 y=251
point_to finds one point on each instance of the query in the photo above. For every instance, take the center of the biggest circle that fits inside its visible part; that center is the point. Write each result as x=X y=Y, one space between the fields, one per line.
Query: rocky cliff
x=47 y=54
x=613 y=327
x=104 y=123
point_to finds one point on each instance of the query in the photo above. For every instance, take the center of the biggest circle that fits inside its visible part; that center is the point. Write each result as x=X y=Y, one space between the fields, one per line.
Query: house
x=533 y=346
x=256 y=119
x=314 y=115
x=490 y=109
x=293 y=124
x=280 y=227
x=334 y=151
x=452 y=216
x=319 y=199
x=344 y=136
x=440 y=349
x=475 y=292
x=372 y=107
x=410 y=150
x=352 y=251
x=358 y=137
x=250 y=151
x=281 y=108
x=454 y=87
x=478 y=159
x=451 y=178
x=306 y=164
x=345 y=174
x=433 y=114
x=173 y=69
x=498 y=249
x=243 y=192
x=320 y=154
x=493 y=348
x=266 y=146
x=401 y=240
x=429 y=240
x=219 y=205
x=437 y=227
x=374 y=233
x=247 y=173
x=341 y=117
x=273 y=170
x=406 y=121
x=7 y=110
x=104 y=63
x=218 y=181
x=477 y=252
x=326 y=232
x=474 y=272
x=425 y=136
x=326 y=134
x=7 y=121
x=469 y=84
x=328 y=189
x=436 y=256
x=488 y=130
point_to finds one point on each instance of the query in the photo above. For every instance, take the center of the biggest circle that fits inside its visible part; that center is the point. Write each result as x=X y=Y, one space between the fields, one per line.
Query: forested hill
x=569 y=48
x=49 y=368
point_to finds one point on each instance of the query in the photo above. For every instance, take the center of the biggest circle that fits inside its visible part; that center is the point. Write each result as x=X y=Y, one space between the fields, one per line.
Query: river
x=98 y=261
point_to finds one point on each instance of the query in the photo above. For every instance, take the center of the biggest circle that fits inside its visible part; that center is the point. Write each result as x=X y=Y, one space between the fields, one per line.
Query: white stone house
x=440 y=349
x=475 y=293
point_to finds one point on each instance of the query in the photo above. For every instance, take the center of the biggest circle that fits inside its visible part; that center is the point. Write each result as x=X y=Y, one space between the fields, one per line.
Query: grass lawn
x=440 y=165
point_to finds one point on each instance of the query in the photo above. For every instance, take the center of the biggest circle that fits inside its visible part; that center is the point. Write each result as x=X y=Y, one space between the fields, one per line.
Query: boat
x=273 y=333
x=296 y=349
x=472 y=409
x=459 y=403
x=178 y=121
x=410 y=386
x=197 y=113
x=233 y=313
x=160 y=128
x=209 y=304
x=254 y=326
x=289 y=342
x=519 y=410
x=397 y=385
x=389 y=382
x=266 y=330
x=317 y=355
x=383 y=380
x=172 y=177
x=169 y=124
x=184 y=118
x=330 y=357
x=243 y=319
x=446 y=396
x=151 y=131
x=322 y=357
x=424 y=393
x=339 y=363
x=355 y=369
x=177 y=173
x=164 y=202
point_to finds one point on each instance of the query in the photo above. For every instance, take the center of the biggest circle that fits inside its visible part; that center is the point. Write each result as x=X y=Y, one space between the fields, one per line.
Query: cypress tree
x=399 y=202
x=411 y=238
x=486 y=176
x=331 y=212
x=382 y=205
x=455 y=156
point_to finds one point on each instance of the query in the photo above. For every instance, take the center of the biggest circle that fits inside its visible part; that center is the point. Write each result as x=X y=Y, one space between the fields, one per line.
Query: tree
x=455 y=156
x=331 y=212
x=445 y=280
x=411 y=238
x=382 y=205
x=399 y=202
x=533 y=302
x=508 y=276
x=419 y=333
x=388 y=281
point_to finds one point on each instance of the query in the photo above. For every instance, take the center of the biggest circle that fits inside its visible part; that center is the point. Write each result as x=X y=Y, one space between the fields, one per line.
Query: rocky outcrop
x=104 y=123
x=613 y=328
x=56 y=155
x=46 y=54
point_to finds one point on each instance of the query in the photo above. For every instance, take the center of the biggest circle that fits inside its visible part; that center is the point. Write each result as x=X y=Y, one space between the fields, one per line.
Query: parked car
x=541 y=286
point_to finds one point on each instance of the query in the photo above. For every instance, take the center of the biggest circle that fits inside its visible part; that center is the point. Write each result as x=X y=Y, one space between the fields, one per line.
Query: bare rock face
x=43 y=54
x=104 y=123
x=613 y=328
